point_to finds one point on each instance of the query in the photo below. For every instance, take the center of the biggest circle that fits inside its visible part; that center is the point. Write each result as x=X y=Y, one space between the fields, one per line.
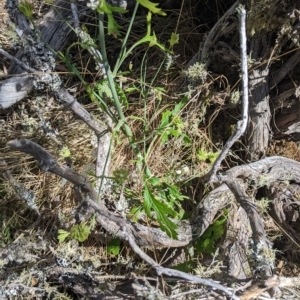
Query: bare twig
x=21 y=192
x=215 y=32
x=103 y=133
x=262 y=247
x=103 y=148
x=70 y=102
x=145 y=236
x=20 y=63
x=49 y=163
x=285 y=69
x=67 y=99
x=255 y=220
x=174 y=273
x=242 y=124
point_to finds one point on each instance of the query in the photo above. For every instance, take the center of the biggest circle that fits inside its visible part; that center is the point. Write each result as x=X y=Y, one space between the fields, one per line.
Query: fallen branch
x=113 y=224
x=116 y=226
x=175 y=273
x=21 y=192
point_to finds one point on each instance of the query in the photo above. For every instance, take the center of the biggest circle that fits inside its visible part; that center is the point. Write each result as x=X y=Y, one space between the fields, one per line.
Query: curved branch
x=215 y=33
x=145 y=236
x=242 y=124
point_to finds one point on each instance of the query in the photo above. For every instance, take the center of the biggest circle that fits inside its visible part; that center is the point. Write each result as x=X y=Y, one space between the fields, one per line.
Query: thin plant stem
x=122 y=119
x=122 y=51
x=111 y=82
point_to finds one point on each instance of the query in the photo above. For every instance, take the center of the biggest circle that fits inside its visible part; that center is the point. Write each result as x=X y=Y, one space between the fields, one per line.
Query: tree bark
x=258 y=131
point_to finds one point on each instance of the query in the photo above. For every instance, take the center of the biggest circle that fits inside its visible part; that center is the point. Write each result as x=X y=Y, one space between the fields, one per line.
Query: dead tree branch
x=109 y=221
x=215 y=33
x=114 y=225
x=285 y=69
x=242 y=124
x=175 y=273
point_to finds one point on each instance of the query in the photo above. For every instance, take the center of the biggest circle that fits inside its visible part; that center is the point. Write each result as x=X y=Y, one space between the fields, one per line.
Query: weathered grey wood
x=286 y=105
x=214 y=34
x=287 y=122
x=278 y=168
x=285 y=69
x=284 y=208
x=207 y=209
x=13 y=90
x=55 y=31
x=236 y=242
x=258 y=131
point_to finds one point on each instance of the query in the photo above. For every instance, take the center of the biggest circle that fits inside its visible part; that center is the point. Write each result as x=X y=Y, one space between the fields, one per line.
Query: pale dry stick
x=295 y=294
x=103 y=156
x=20 y=191
x=96 y=275
x=267 y=62
x=256 y=222
x=192 y=292
x=204 y=296
x=285 y=69
x=262 y=246
x=48 y=163
x=242 y=124
x=70 y=102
